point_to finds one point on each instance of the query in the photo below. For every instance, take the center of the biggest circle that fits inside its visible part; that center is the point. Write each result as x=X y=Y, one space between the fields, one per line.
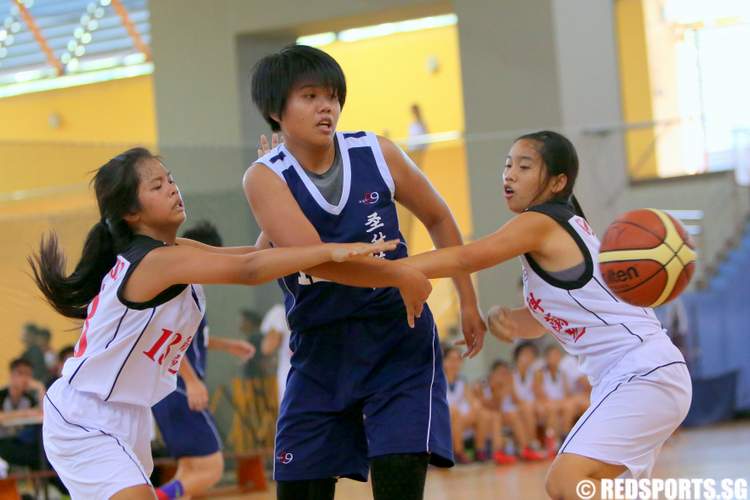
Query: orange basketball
x=646 y=257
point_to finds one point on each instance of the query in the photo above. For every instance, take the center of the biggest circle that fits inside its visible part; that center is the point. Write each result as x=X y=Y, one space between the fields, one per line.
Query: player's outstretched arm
x=525 y=233
x=260 y=244
x=241 y=250
x=171 y=265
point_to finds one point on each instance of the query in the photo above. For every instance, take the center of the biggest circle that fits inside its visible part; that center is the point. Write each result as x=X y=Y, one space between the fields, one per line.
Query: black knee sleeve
x=399 y=477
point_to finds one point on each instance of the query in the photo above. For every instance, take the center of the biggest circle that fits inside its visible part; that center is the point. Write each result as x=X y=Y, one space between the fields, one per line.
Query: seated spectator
x=464 y=410
x=20 y=400
x=578 y=382
x=21 y=445
x=498 y=396
x=531 y=413
x=555 y=397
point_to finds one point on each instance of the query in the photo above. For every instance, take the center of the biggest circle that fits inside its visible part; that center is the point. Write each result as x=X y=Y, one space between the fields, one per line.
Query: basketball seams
x=673 y=276
x=662 y=240
x=672 y=236
x=660 y=254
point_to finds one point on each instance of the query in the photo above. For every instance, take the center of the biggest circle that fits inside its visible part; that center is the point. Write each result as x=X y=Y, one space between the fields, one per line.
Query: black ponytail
x=576 y=206
x=116 y=187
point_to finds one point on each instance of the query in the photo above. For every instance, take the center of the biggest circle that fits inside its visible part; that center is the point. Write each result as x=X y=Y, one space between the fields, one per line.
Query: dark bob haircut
x=276 y=75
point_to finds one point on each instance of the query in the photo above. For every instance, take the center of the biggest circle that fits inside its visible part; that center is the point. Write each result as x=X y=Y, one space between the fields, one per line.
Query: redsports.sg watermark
x=667 y=489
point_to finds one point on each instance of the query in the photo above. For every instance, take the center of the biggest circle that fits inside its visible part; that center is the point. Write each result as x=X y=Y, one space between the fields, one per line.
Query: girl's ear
x=558 y=185
x=132 y=218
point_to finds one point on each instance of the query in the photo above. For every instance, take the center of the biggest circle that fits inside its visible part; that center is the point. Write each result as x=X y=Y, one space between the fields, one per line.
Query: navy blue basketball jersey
x=366 y=212
x=197 y=351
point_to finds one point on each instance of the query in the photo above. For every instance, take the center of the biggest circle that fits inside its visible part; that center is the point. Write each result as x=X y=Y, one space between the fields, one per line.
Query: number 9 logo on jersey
x=285 y=457
x=370 y=198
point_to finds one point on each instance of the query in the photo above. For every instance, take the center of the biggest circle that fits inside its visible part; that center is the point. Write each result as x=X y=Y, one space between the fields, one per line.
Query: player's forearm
x=209 y=248
x=274 y=263
x=219 y=343
x=445 y=233
x=370 y=272
x=187 y=372
x=443 y=263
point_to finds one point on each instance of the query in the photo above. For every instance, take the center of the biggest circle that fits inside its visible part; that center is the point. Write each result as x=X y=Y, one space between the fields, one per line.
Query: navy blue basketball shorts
x=359 y=389
x=186 y=433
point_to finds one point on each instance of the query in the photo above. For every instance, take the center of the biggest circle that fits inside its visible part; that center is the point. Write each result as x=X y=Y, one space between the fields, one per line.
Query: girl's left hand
x=473 y=328
x=264 y=147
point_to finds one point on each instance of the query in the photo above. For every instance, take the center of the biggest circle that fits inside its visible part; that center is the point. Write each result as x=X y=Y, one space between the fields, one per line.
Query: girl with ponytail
x=641 y=388
x=136 y=288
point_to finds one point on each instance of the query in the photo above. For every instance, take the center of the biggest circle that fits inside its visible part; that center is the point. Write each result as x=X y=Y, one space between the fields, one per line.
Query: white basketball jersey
x=456 y=392
x=524 y=385
x=131 y=352
x=554 y=386
x=583 y=315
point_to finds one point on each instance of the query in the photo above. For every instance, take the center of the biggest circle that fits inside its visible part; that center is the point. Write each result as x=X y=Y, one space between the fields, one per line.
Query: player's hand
x=474 y=329
x=263 y=145
x=241 y=349
x=501 y=323
x=415 y=288
x=341 y=252
x=197 y=395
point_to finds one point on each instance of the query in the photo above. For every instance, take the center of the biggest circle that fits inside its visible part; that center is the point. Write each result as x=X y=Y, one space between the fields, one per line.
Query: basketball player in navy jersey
x=366 y=386
x=187 y=427
x=133 y=288
x=641 y=387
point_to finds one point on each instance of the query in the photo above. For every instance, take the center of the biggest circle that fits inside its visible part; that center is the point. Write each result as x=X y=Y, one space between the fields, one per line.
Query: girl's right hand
x=501 y=324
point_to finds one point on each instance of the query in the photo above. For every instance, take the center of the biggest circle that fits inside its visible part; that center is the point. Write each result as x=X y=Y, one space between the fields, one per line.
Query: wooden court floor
x=718 y=452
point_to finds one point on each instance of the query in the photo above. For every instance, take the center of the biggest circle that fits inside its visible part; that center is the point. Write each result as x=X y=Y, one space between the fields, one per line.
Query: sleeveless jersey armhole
x=385 y=171
x=135 y=253
x=562 y=214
